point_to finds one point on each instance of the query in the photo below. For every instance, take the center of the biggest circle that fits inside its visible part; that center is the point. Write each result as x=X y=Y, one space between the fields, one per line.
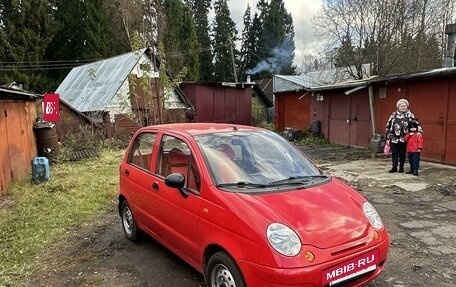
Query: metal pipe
x=371 y=107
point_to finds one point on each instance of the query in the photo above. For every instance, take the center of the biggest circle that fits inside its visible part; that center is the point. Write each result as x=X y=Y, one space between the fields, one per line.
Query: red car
x=247 y=208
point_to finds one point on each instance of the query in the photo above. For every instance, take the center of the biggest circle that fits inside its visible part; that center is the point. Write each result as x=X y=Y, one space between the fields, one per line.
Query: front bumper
x=264 y=276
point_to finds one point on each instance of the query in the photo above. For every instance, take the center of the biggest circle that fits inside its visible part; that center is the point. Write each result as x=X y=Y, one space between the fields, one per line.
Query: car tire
x=130 y=228
x=221 y=271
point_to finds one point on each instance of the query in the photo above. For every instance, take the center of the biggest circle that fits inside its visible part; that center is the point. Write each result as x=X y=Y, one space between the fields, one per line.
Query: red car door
x=178 y=214
x=137 y=180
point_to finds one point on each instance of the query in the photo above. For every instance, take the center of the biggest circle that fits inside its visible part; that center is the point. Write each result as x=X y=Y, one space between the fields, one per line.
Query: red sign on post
x=51 y=108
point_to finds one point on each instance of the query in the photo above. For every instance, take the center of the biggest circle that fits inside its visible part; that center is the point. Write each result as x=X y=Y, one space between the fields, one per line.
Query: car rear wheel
x=222 y=271
x=131 y=230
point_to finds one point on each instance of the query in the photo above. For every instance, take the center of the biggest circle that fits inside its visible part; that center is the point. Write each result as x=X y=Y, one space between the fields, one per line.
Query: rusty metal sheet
x=30 y=117
x=5 y=166
x=16 y=142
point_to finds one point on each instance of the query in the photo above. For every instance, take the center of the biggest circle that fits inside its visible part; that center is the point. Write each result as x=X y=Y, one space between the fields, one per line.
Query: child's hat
x=413 y=124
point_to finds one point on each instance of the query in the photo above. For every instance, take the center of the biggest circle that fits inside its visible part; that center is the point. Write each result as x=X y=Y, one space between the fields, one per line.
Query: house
x=17 y=146
x=220 y=102
x=123 y=93
x=352 y=113
x=292 y=100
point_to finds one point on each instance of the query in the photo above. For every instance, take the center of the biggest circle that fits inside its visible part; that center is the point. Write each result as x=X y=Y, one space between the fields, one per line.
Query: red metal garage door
x=360 y=127
x=349 y=121
x=450 y=142
x=428 y=101
x=339 y=114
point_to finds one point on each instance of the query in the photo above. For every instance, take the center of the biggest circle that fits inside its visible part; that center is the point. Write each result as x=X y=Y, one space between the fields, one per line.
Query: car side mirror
x=177 y=180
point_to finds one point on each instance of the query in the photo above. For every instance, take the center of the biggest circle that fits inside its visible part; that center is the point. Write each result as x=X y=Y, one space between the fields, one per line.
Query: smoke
x=280 y=57
x=260 y=67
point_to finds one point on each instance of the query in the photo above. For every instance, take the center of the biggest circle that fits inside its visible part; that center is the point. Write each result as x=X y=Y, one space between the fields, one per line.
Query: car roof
x=200 y=128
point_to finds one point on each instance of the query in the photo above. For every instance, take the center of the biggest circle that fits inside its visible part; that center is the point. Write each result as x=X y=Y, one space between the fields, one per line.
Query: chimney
x=450 y=30
x=248 y=78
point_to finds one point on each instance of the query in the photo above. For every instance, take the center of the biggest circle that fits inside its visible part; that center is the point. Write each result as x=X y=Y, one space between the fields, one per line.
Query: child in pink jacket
x=414 y=142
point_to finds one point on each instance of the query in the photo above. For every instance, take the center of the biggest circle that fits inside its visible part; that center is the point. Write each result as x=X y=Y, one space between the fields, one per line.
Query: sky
x=302 y=11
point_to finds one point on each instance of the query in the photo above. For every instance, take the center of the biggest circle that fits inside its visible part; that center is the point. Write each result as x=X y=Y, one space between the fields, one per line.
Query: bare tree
x=393 y=35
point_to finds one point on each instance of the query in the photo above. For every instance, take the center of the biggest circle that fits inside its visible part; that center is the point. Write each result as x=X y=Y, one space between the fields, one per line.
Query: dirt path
x=421 y=222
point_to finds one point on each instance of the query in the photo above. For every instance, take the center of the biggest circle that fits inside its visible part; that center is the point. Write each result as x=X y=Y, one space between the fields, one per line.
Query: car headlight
x=283 y=239
x=372 y=215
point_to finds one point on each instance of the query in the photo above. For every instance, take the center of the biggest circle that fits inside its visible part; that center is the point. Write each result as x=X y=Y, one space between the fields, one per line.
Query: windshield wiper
x=300 y=179
x=241 y=184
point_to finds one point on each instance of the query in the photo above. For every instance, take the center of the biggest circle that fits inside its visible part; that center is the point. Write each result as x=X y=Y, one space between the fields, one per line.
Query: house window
x=382 y=93
x=319 y=97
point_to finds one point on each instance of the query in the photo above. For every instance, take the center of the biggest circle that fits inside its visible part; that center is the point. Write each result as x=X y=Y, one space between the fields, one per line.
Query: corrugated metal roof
x=388 y=78
x=343 y=85
x=291 y=83
x=92 y=86
x=315 y=79
x=422 y=74
x=12 y=93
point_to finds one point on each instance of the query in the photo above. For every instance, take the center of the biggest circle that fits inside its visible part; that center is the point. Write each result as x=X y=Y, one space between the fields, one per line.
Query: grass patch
x=77 y=192
x=311 y=140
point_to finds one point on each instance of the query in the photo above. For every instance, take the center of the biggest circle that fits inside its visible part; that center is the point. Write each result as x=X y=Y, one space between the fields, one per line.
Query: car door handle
x=127 y=172
x=155 y=186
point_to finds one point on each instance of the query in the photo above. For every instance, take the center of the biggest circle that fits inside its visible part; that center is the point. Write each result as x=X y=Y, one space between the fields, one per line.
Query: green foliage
x=82 y=34
x=249 y=43
x=180 y=40
x=41 y=214
x=224 y=31
x=268 y=41
x=26 y=29
x=173 y=11
x=189 y=44
x=311 y=140
x=269 y=126
x=200 y=9
x=124 y=24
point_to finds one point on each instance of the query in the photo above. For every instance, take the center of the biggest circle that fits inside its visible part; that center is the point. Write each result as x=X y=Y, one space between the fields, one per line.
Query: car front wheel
x=129 y=224
x=222 y=271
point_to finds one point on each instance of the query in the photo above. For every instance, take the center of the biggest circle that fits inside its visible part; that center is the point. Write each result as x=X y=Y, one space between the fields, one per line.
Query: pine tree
x=224 y=32
x=200 y=10
x=174 y=14
x=190 y=46
x=126 y=20
x=246 y=45
x=277 y=38
x=26 y=29
x=82 y=33
x=180 y=41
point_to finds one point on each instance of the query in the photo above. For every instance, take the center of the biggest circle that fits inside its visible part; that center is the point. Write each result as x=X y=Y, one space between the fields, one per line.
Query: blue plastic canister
x=40 y=169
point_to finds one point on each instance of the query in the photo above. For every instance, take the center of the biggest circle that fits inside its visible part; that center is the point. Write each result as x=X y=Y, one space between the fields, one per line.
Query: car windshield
x=255 y=159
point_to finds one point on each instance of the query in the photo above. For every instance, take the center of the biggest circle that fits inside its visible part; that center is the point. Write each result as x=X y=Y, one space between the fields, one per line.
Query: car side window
x=175 y=157
x=141 y=152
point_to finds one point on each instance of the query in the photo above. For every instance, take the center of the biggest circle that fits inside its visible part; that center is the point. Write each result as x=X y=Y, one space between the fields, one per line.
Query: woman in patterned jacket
x=396 y=128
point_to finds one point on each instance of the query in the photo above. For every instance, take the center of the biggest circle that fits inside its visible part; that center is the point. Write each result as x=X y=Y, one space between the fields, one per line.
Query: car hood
x=324 y=216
